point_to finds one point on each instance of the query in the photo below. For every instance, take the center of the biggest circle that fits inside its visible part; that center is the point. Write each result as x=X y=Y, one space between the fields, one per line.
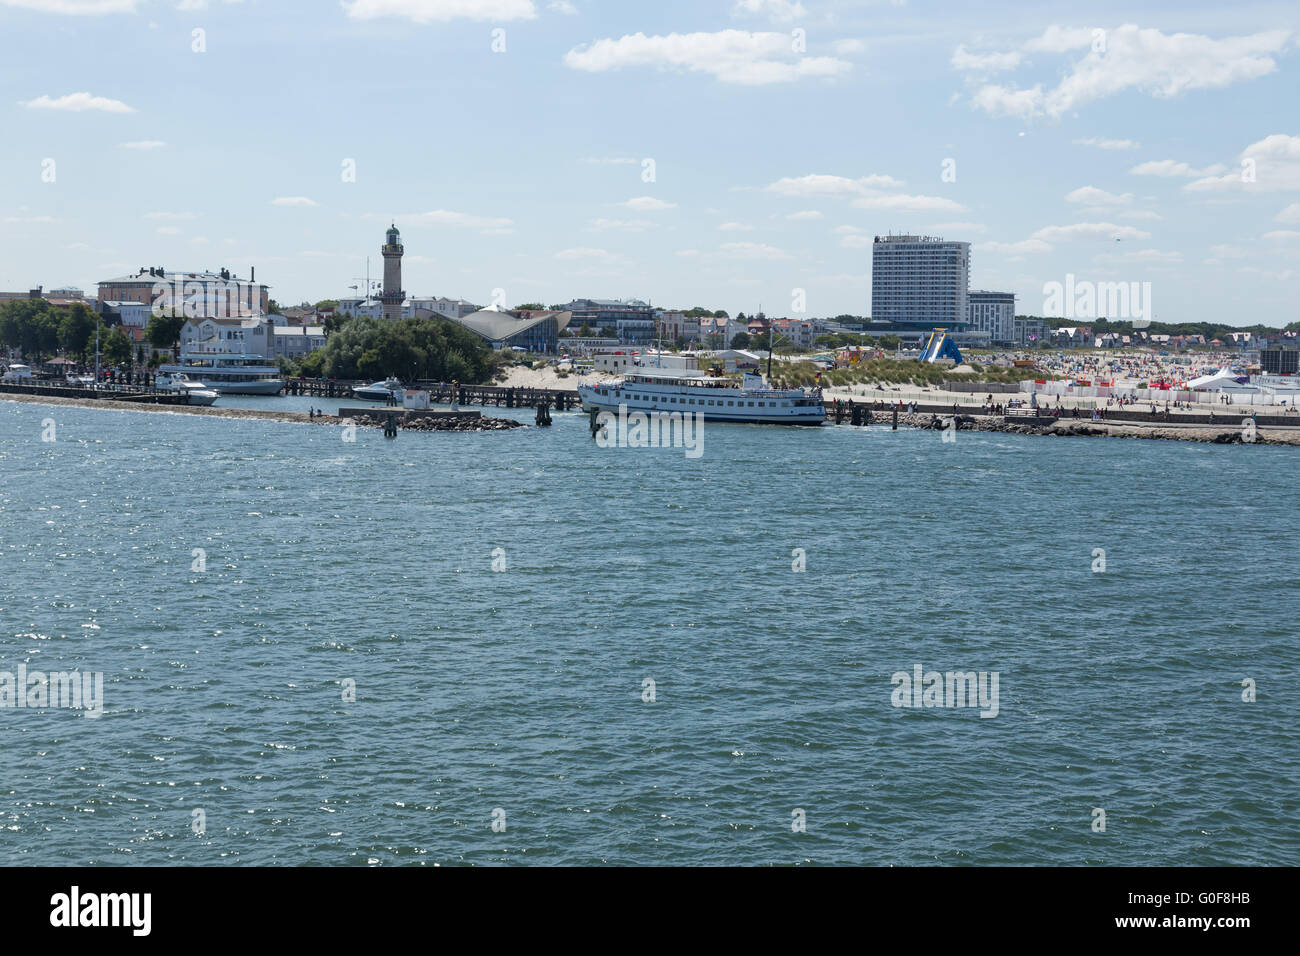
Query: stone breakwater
x=413 y=424
x=1211 y=434
x=409 y=423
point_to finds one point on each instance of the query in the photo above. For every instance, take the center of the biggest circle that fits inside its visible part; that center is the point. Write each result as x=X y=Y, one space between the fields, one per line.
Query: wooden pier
x=126 y=393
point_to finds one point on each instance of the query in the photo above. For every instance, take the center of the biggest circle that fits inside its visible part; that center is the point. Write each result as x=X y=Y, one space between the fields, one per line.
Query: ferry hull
x=271 y=387
x=813 y=416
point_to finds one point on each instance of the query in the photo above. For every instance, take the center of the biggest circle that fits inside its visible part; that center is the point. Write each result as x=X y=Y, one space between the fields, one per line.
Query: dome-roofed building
x=536 y=331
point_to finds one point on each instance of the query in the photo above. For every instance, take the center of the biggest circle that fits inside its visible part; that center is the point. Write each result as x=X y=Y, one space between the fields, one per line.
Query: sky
x=731 y=154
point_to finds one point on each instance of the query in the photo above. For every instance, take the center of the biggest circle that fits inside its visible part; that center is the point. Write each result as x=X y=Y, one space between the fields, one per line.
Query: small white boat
x=380 y=391
x=86 y=381
x=18 y=375
x=195 y=392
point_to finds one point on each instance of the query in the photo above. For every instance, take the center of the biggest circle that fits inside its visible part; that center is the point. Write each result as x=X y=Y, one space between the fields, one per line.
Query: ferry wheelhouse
x=717 y=399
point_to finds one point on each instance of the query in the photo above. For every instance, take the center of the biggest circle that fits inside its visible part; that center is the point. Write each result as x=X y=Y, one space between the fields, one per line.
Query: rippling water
x=522 y=690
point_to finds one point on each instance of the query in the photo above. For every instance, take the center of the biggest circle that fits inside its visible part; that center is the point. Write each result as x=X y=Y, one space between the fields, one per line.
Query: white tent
x=1212 y=383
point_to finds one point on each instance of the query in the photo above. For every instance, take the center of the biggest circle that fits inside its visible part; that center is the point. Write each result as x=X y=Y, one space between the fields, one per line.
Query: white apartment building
x=994 y=313
x=920 y=279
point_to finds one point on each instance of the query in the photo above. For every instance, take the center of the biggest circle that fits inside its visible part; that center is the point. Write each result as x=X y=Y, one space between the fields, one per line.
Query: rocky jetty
x=1215 y=435
x=440 y=424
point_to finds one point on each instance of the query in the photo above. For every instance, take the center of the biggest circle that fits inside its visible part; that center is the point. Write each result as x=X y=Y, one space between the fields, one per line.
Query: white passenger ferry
x=717 y=399
x=230 y=373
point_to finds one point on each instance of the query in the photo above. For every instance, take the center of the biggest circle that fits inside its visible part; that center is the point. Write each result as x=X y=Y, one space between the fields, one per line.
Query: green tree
x=76 y=329
x=532 y=307
x=411 y=348
x=117 y=347
x=740 y=340
x=164 y=330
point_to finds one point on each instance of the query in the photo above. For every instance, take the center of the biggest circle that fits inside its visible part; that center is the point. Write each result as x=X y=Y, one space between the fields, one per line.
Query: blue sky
x=1108 y=143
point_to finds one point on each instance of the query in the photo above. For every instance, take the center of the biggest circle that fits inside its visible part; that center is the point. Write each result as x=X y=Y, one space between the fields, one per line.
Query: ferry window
x=731 y=403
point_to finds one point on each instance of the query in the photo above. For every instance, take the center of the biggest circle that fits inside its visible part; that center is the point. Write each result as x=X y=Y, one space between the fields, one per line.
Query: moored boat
x=379 y=391
x=715 y=398
x=232 y=373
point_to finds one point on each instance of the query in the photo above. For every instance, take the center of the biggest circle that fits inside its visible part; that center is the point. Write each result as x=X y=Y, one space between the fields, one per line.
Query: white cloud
x=648 y=204
x=817 y=185
x=562 y=6
x=735 y=227
x=1108 y=143
x=174 y=216
x=88 y=7
x=599 y=257
x=1089 y=230
x=144 y=144
x=849 y=46
x=440 y=11
x=1275 y=161
x=804 y=214
x=78 y=103
x=1140 y=214
x=626 y=225
x=1284 y=276
x=168 y=230
x=900 y=202
x=1143 y=255
x=1092 y=196
x=610 y=160
x=855 y=241
x=1224 y=251
x=293 y=201
x=29 y=219
x=1061 y=39
x=1020 y=248
x=731 y=56
x=489 y=225
x=1290 y=214
x=845 y=230
x=1171 y=168
x=983 y=62
x=686 y=253
x=1282 y=235
x=779 y=11
x=955 y=227
x=1159 y=64
x=751 y=250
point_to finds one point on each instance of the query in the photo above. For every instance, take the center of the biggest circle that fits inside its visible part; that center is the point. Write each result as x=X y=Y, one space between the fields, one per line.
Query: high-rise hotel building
x=920 y=280
x=994 y=313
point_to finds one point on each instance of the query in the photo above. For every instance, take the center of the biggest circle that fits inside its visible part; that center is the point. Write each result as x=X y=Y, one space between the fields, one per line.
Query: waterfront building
x=1030 y=332
x=292 y=341
x=632 y=320
x=220 y=294
x=920 y=281
x=994 y=313
x=253 y=336
x=534 y=331
x=435 y=306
